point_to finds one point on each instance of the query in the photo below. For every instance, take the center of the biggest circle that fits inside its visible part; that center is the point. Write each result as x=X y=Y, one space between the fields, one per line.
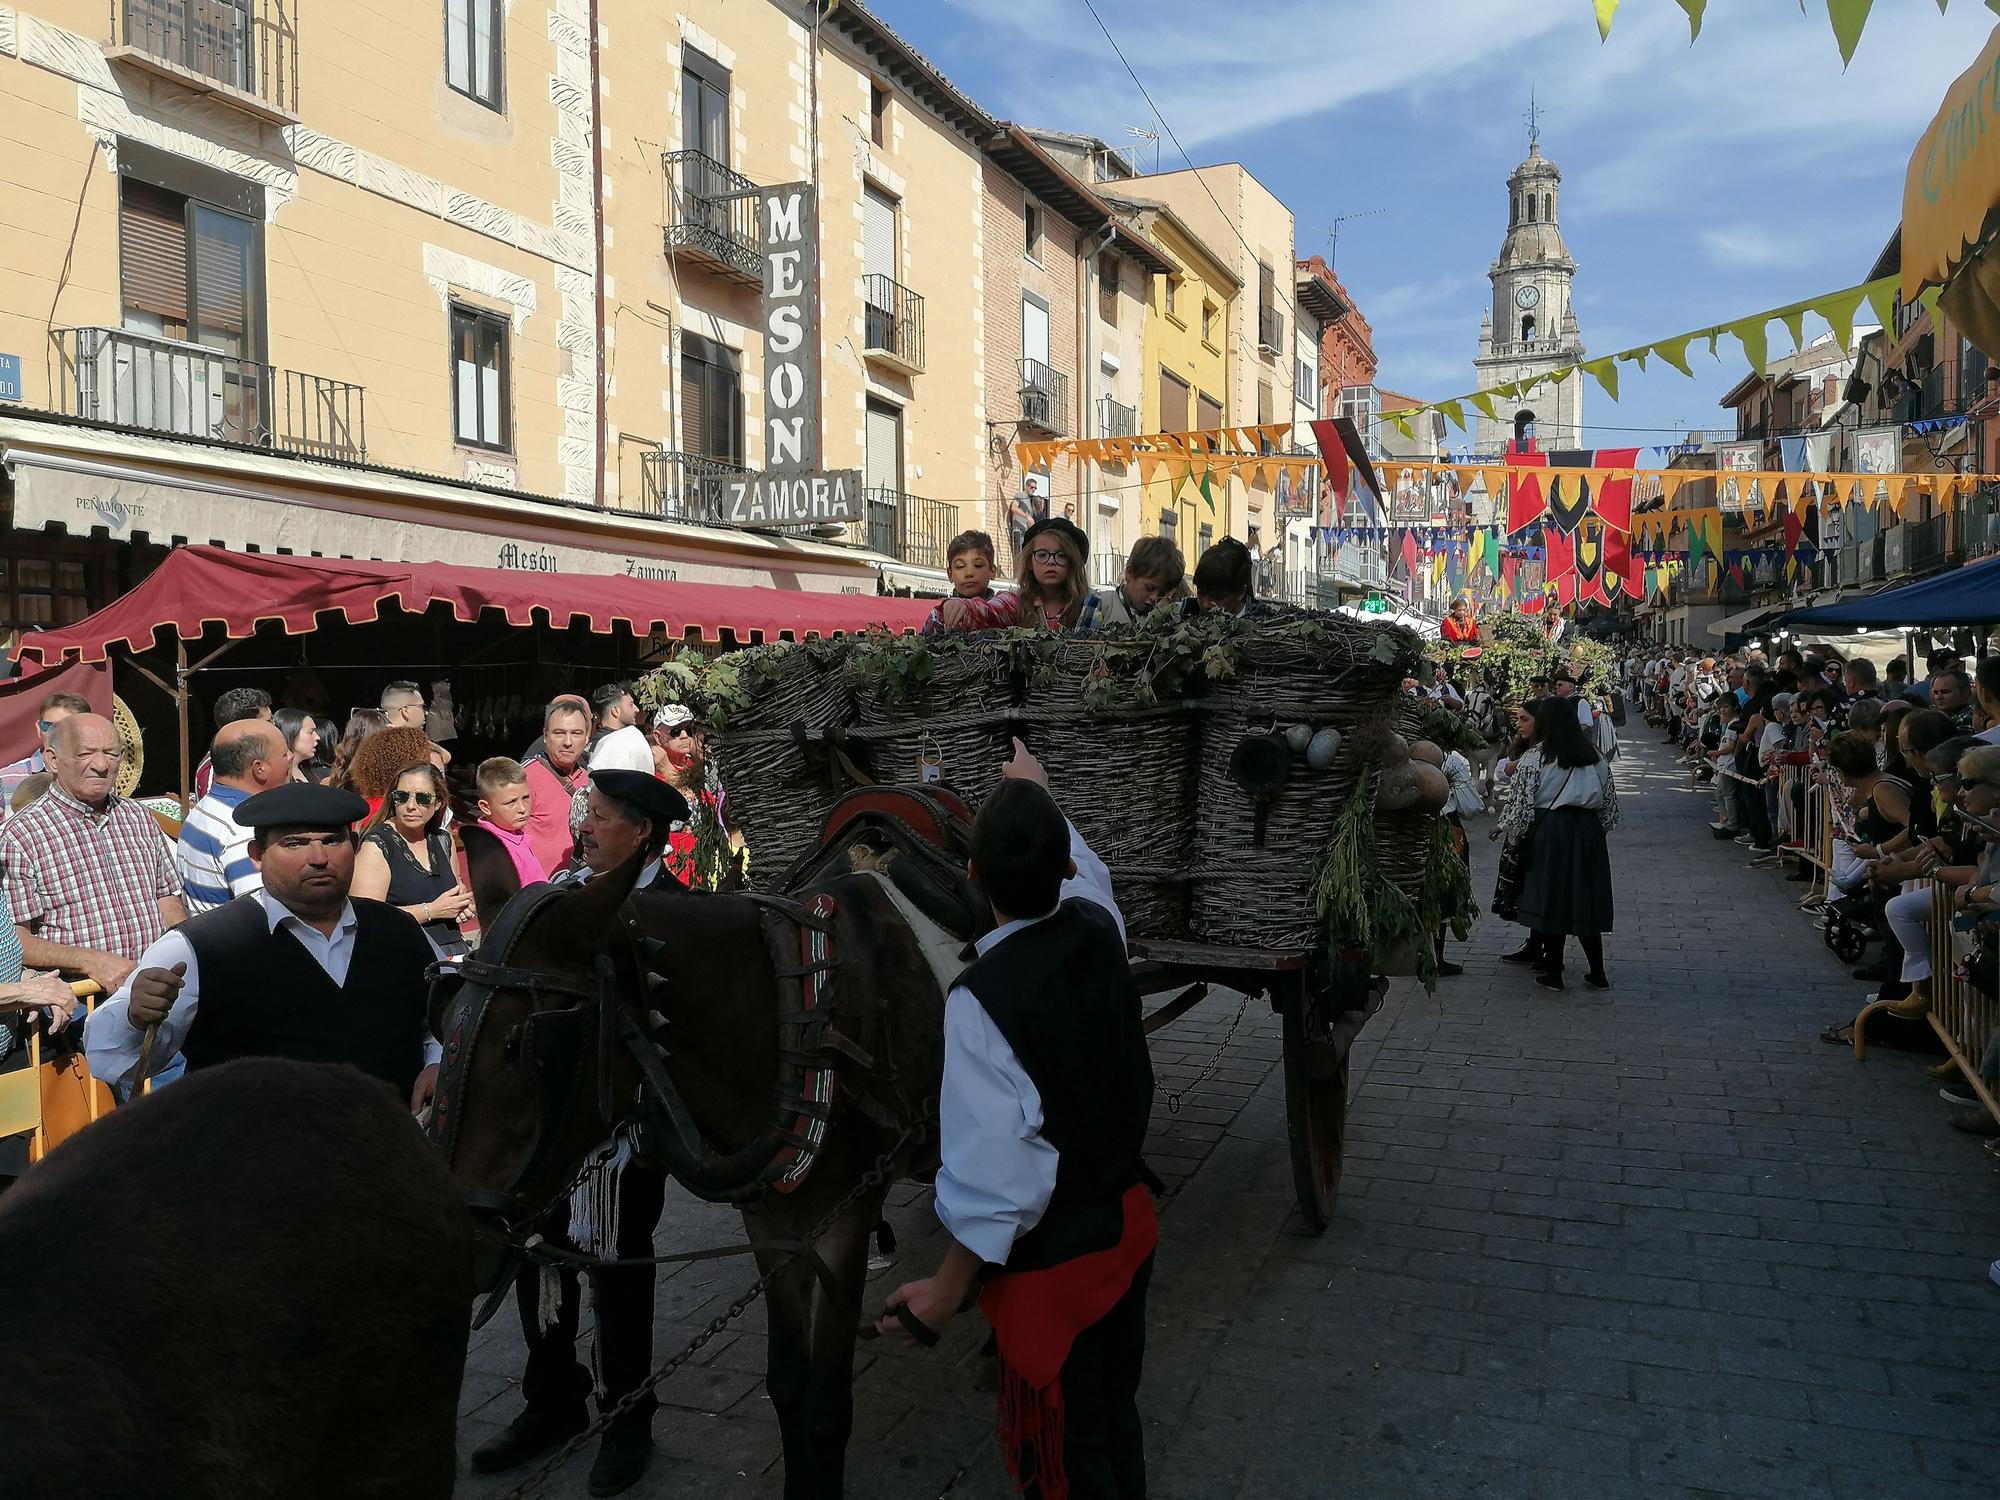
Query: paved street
x=1659 y=1242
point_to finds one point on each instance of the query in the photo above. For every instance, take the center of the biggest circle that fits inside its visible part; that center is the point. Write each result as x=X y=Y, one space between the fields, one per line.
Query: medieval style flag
x=1613 y=501
x=1524 y=492
x=1561 y=560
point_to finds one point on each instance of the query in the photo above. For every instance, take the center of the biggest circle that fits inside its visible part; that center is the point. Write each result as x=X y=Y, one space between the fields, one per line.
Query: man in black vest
x=295 y=970
x=629 y=816
x=1046 y=1097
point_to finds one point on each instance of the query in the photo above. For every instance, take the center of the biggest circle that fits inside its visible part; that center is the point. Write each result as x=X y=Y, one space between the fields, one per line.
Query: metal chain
x=874 y=1177
x=1179 y=1096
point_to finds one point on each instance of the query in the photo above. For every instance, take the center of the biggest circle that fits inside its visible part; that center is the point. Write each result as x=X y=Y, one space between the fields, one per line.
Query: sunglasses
x=423 y=799
x=681 y=732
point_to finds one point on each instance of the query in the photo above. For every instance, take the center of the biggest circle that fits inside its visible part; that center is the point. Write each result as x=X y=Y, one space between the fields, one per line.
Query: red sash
x=1036 y=1317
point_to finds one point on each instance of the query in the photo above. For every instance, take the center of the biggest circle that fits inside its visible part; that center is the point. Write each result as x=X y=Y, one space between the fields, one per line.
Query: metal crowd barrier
x=1810 y=826
x=1964 y=1016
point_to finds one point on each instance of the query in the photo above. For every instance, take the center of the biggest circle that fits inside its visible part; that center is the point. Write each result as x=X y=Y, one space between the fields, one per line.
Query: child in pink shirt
x=505 y=801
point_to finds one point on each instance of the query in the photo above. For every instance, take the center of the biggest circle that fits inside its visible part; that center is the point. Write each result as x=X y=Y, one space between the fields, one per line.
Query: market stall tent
x=1965 y=596
x=199 y=587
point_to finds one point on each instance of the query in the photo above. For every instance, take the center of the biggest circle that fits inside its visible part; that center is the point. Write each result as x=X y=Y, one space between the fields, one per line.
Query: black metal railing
x=1270 y=328
x=1976 y=530
x=1924 y=545
x=685 y=486
x=1115 y=419
x=908 y=528
x=1044 y=398
x=1932 y=400
x=163 y=385
x=712 y=215
x=250 y=45
x=893 y=321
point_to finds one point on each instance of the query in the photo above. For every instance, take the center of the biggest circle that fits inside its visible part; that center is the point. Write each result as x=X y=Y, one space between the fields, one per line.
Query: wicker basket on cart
x=1123 y=763
x=1341 y=676
x=952 y=726
x=791 y=696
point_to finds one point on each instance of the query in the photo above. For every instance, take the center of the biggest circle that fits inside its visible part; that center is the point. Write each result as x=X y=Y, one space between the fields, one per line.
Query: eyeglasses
x=1044 y=555
x=423 y=799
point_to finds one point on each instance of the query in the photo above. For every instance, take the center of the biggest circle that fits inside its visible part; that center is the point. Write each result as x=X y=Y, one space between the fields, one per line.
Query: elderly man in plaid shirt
x=89 y=876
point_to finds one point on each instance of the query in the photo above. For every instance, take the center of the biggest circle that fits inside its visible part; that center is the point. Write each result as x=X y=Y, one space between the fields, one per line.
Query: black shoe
x=1528 y=955
x=1550 y=979
x=1874 y=973
x=531 y=1433
x=1722 y=833
x=621 y=1458
x=1598 y=981
x=1448 y=970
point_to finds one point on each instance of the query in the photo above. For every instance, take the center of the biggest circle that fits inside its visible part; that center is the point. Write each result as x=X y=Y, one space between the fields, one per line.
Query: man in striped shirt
x=213 y=855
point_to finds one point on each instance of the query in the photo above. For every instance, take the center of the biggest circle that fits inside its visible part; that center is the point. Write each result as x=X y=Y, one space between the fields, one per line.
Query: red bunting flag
x=1524 y=492
x=1613 y=500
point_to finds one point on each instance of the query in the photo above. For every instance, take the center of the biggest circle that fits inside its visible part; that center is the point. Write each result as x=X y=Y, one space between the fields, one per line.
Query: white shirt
x=998 y=1172
x=1991 y=736
x=111 y=1042
x=625 y=749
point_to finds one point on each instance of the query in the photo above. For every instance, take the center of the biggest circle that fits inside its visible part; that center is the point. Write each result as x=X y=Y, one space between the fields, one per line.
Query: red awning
x=201 y=586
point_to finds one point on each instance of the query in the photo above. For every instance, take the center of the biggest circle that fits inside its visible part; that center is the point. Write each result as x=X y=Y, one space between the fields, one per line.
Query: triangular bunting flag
x=1751 y=334
x=1839 y=310
x=1605 y=373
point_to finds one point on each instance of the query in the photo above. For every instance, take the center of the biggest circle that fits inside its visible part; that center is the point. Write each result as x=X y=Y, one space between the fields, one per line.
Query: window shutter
x=694 y=402
x=1209 y=414
x=1173 y=404
x=152 y=250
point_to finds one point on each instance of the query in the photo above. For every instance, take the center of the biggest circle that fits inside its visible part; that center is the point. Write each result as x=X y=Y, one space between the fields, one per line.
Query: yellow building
x=1187 y=378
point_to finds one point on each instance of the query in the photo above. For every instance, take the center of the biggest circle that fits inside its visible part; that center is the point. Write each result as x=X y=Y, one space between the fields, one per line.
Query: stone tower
x=1531 y=326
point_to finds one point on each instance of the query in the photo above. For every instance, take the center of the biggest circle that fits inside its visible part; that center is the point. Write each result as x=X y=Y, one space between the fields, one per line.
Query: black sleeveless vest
x=264 y=995
x=1061 y=993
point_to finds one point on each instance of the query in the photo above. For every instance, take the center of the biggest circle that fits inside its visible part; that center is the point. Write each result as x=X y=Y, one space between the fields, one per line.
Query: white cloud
x=1741 y=245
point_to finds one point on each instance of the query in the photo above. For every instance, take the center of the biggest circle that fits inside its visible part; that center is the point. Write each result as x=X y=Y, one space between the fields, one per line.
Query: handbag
x=70 y=1097
x=1514 y=857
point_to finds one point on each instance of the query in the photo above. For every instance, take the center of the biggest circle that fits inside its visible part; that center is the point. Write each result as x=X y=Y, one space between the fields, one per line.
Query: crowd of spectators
x=1875 y=788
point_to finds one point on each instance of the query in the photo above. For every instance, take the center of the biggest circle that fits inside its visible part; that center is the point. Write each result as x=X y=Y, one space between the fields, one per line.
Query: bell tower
x=1530 y=328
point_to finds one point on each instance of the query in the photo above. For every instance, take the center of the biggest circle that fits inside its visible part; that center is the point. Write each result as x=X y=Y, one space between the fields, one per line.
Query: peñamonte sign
x=791 y=491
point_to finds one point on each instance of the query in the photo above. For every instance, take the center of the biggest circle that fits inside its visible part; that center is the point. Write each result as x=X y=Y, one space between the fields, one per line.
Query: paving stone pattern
x=1660 y=1242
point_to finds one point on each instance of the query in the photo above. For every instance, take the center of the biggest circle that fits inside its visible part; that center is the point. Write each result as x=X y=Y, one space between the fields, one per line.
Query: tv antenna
x=1333 y=231
x=1145 y=134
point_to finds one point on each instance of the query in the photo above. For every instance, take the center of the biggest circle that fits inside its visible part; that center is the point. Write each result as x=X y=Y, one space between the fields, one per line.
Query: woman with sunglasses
x=703 y=853
x=405 y=858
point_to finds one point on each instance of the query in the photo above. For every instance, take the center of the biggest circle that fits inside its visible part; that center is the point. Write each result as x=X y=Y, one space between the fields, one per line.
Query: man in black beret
x=296 y=970
x=627 y=813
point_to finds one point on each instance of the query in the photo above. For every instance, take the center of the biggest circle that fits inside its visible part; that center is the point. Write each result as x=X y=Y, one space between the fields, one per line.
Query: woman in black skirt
x=1561 y=802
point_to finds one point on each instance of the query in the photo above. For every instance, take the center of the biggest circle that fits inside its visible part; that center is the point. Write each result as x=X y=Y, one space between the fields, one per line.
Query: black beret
x=1566 y=676
x=648 y=793
x=300 y=804
x=1065 y=527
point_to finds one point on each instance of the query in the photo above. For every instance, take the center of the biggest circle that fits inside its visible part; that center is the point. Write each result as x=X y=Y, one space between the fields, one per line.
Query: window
x=1528 y=329
x=1174 y=394
x=711 y=399
x=1972 y=367
x=474 y=48
x=1207 y=535
x=191 y=271
x=1107 y=289
x=1267 y=299
x=479 y=378
x=39 y=591
x=1524 y=427
x=1208 y=322
x=1265 y=398
x=1169 y=295
x=878 y=114
x=1170 y=524
x=1032 y=226
x=1305 y=385
x=1207 y=413
x=1359 y=404
x=705 y=113
x=1531 y=208
x=1549 y=207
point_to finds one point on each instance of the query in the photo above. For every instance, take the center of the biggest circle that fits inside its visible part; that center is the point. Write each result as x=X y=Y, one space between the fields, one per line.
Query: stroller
x=1850 y=922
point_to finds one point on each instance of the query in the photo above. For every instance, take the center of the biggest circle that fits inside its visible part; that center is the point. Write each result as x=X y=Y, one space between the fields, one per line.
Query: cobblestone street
x=1661 y=1241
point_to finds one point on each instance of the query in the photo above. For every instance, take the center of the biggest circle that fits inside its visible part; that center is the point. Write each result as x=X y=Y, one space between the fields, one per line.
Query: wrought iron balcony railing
x=712 y=217
x=163 y=385
x=683 y=486
x=249 y=46
x=893 y=322
x=908 y=528
x=1044 y=398
x=1116 y=420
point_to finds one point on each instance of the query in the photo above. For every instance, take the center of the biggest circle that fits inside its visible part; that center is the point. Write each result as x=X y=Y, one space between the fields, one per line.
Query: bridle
x=550 y=1045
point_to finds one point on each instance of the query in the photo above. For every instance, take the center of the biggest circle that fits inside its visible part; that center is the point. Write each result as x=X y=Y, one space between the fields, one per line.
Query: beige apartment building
x=465 y=280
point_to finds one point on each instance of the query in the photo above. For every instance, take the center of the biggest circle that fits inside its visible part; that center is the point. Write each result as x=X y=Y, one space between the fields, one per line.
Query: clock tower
x=1531 y=327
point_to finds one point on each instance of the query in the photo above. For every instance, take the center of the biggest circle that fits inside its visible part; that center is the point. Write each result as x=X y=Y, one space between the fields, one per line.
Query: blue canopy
x=1964 y=596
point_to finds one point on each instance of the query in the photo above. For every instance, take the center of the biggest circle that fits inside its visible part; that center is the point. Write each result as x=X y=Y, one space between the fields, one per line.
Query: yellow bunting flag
x=1839 y=310
x=1752 y=335
x=1605 y=373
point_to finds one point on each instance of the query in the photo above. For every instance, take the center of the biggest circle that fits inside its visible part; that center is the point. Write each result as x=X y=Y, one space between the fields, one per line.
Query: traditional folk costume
x=1046 y=1096
x=261 y=982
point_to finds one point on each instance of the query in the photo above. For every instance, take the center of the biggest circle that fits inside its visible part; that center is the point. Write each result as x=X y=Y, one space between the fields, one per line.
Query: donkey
x=595 y=1006
x=255 y=1283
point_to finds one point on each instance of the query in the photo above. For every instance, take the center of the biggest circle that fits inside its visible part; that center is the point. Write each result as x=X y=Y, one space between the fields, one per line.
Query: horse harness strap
x=538 y=1249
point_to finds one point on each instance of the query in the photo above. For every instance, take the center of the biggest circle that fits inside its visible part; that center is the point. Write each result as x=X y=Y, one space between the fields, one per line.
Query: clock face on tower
x=1528 y=296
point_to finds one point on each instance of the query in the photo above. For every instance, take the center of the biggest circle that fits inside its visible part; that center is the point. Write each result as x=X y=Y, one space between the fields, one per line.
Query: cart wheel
x=1315 y=1115
x=1847 y=944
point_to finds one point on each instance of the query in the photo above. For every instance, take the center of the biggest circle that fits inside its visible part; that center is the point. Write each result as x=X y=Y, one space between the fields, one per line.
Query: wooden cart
x=1323 y=1002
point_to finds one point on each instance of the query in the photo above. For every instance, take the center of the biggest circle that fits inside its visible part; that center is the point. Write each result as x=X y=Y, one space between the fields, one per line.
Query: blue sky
x=1699 y=183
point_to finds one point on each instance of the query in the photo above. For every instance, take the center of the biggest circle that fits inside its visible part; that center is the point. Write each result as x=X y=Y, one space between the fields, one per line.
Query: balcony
x=1921 y=543
x=682 y=486
x=1116 y=420
x=1976 y=531
x=1107 y=569
x=712 y=217
x=908 y=528
x=1862 y=563
x=243 y=54
x=1270 y=329
x=1044 y=398
x=165 y=386
x=893 y=323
